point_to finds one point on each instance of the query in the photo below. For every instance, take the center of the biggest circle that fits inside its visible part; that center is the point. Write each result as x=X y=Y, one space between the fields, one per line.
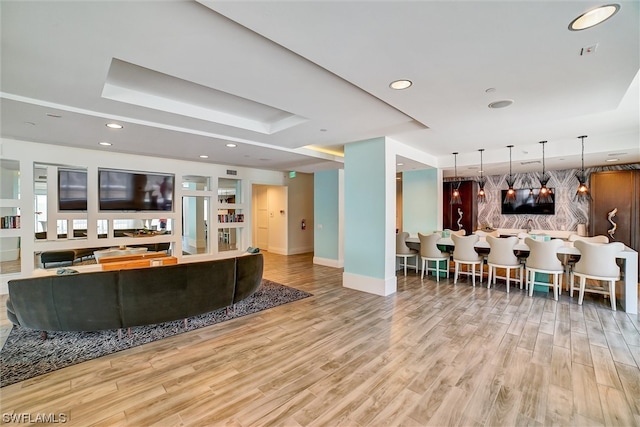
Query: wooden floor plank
x=586 y=398
x=430 y=354
x=615 y=408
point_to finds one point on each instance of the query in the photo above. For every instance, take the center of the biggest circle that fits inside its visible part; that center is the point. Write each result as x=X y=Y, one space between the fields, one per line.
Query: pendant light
x=544 y=194
x=582 y=194
x=481 y=182
x=455 y=194
x=510 y=198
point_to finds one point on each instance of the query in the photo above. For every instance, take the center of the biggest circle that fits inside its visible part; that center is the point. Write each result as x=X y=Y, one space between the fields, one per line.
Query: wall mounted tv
x=526 y=203
x=134 y=191
x=72 y=190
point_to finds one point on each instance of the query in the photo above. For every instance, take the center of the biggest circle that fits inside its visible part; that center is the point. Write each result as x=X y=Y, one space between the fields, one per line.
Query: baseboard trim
x=371 y=285
x=327 y=262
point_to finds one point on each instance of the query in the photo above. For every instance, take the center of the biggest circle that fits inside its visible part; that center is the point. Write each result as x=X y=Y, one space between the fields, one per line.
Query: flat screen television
x=134 y=191
x=526 y=203
x=72 y=190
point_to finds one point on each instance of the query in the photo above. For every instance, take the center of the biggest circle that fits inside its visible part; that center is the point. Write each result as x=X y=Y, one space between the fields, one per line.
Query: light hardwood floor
x=431 y=354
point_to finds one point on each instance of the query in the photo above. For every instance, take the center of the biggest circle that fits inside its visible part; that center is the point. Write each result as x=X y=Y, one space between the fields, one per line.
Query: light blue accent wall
x=326 y=213
x=364 y=208
x=420 y=201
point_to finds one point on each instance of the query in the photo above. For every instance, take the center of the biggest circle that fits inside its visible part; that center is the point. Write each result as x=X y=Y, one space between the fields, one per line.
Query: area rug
x=26 y=355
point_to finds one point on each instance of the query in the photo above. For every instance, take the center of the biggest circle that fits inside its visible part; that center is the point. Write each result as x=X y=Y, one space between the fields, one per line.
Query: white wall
x=28 y=152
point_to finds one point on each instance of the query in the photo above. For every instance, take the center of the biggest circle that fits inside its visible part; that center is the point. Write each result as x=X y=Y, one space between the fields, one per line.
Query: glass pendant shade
x=582 y=193
x=455 y=194
x=545 y=194
x=481 y=182
x=510 y=197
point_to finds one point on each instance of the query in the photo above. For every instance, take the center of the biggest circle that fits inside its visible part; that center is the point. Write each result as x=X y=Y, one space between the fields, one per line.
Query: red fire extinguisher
x=304 y=224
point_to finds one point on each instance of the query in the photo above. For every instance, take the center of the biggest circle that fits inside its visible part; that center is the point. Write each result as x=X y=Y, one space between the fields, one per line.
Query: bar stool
x=405 y=252
x=598 y=262
x=429 y=252
x=464 y=253
x=543 y=258
x=501 y=256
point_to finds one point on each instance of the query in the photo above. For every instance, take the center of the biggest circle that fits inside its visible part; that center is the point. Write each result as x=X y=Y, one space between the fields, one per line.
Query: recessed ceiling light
x=400 y=84
x=113 y=126
x=29 y=123
x=612 y=160
x=106 y=144
x=204 y=156
x=230 y=145
x=399 y=164
x=501 y=104
x=594 y=17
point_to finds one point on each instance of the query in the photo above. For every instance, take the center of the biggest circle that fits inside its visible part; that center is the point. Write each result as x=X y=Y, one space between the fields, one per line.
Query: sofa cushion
x=11 y=313
x=210 y=284
x=57 y=303
x=248 y=275
x=153 y=295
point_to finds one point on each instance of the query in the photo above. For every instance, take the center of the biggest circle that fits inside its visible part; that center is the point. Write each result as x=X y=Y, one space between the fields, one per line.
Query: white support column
x=369 y=249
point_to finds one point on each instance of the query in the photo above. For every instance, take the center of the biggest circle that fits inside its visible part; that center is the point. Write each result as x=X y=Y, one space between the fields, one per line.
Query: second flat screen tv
x=134 y=191
x=526 y=203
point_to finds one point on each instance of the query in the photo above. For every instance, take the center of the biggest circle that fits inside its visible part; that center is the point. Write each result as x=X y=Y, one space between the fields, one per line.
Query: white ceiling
x=185 y=78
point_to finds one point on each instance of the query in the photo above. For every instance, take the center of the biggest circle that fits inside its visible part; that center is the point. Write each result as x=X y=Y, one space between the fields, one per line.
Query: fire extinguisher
x=304 y=225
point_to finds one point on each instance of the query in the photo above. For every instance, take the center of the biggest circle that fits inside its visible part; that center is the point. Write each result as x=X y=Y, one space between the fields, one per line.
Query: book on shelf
x=10 y=221
x=230 y=217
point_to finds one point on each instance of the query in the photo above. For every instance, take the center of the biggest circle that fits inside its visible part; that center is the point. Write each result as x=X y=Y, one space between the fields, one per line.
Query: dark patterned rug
x=26 y=355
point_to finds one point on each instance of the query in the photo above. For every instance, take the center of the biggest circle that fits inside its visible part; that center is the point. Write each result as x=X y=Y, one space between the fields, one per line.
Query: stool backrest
x=428 y=246
x=598 y=259
x=464 y=248
x=544 y=255
x=401 y=243
x=502 y=250
x=595 y=239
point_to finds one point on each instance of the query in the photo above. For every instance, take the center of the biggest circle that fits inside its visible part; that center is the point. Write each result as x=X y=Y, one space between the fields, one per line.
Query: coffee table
x=118 y=251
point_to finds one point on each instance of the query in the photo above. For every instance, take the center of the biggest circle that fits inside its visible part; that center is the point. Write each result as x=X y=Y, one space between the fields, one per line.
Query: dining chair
x=483 y=234
x=464 y=253
x=597 y=262
x=501 y=255
x=543 y=258
x=568 y=261
x=460 y=232
x=429 y=251
x=482 y=237
x=405 y=252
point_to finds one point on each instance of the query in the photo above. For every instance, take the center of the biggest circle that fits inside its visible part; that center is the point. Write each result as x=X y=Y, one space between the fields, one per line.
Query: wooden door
x=616 y=190
x=468 y=208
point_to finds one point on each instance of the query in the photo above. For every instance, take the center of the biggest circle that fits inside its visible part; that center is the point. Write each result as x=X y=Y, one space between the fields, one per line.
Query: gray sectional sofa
x=135 y=297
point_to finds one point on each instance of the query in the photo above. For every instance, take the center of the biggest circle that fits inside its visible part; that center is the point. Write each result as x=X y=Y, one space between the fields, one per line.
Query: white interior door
x=261 y=203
